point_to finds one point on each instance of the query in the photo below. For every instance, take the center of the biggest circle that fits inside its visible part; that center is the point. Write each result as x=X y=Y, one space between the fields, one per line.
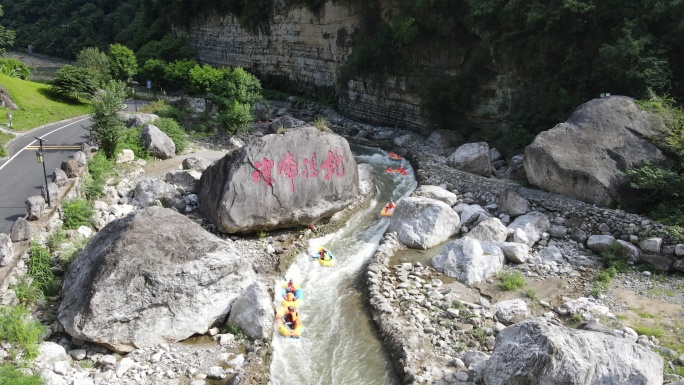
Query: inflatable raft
x=386 y=211
x=285 y=330
x=394 y=156
x=298 y=296
x=398 y=170
x=322 y=262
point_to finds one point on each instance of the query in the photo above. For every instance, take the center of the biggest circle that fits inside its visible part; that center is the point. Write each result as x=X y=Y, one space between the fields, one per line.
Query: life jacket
x=292 y=316
x=290 y=288
x=289 y=297
x=326 y=256
x=390 y=205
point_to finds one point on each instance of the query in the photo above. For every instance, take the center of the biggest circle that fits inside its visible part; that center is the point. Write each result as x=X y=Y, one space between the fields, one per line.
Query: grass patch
x=77 y=212
x=531 y=294
x=38 y=105
x=643 y=314
x=512 y=281
x=19 y=329
x=11 y=375
x=321 y=123
x=40 y=269
x=646 y=330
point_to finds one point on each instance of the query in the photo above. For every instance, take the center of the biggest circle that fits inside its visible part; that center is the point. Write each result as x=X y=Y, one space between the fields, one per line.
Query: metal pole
x=47 y=190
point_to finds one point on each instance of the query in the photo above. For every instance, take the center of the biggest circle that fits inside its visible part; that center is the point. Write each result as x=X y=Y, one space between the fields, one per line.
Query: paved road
x=22 y=176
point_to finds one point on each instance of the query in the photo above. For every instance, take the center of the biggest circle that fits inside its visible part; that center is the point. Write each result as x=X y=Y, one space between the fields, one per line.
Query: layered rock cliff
x=308 y=51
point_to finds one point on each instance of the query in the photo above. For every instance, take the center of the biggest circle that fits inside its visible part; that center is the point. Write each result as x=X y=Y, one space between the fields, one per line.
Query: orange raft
x=394 y=156
x=387 y=211
x=398 y=170
x=286 y=330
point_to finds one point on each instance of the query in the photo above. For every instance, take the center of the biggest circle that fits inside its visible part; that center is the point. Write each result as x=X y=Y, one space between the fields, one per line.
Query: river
x=339 y=342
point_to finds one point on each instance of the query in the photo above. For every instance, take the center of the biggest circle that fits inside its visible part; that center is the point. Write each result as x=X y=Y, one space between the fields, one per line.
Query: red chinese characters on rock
x=310 y=168
x=333 y=165
x=263 y=170
x=287 y=166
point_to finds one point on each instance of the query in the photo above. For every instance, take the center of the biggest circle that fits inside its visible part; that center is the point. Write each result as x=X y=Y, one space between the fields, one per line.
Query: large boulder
x=136 y=120
x=280 y=181
x=421 y=223
x=489 y=230
x=472 y=158
x=157 y=142
x=436 y=192
x=586 y=157
x=195 y=163
x=152 y=277
x=542 y=352
x=511 y=203
x=253 y=312
x=528 y=228
x=367 y=186
x=469 y=260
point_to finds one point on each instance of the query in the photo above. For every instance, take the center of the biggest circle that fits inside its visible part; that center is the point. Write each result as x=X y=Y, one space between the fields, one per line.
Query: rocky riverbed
x=437 y=330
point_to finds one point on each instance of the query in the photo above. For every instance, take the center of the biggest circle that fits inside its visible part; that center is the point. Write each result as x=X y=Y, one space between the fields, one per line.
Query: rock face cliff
x=308 y=51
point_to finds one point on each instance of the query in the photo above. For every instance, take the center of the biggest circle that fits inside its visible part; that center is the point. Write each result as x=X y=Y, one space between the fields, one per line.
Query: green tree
x=96 y=61
x=122 y=62
x=246 y=87
x=6 y=36
x=153 y=69
x=204 y=79
x=169 y=48
x=75 y=82
x=177 y=75
x=107 y=128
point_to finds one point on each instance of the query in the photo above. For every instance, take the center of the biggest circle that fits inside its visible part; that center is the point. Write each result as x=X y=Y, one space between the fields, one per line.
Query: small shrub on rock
x=18 y=328
x=77 y=212
x=512 y=281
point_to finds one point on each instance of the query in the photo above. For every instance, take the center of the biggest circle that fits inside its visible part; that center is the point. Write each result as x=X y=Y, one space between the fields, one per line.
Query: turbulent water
x=339 y=343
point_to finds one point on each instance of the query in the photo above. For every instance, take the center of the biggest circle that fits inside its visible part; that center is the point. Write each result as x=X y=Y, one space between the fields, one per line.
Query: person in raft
x=324 y=254
x=290 y=288
x=291 y=317
x=391 y=204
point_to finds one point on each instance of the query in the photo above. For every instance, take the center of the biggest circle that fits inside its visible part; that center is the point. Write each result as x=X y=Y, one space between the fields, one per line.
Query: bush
x=171 y=128
x=130 y=139
x=18 y=328
x=40 y=269
x=14 y=68
x=99 y=167
x=512 y=281
x=93 y=188
x=75 y=82
x=155 y=107
x=27 y=293
x=614 y=259
x=237 y=117
x=77 y=212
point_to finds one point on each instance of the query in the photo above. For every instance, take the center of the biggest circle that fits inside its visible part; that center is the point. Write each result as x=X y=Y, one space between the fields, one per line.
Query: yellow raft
x=283 y=329
x=323 y=262
x=297 y=294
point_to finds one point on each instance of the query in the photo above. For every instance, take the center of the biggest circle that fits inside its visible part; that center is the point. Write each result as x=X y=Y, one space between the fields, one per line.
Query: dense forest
x=563 y=51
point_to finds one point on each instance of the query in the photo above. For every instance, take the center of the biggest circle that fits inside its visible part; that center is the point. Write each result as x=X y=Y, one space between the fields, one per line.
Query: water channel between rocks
x=339 y=343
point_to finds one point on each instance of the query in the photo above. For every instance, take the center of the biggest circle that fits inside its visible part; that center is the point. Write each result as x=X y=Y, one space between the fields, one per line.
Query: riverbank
x=441 y=332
